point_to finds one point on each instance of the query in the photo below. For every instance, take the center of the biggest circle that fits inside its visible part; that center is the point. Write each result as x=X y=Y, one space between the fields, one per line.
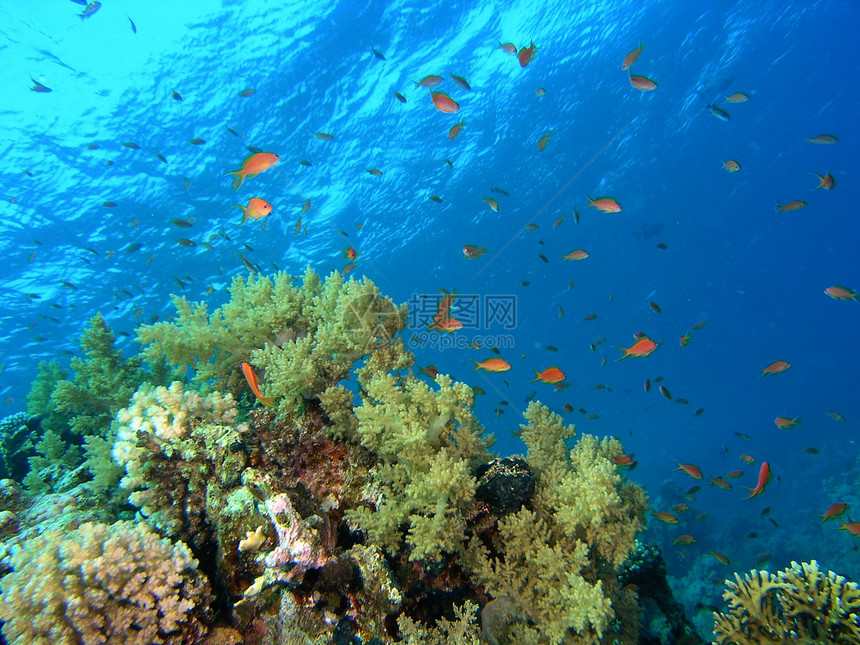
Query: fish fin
x=238 y=179
x=626 y=352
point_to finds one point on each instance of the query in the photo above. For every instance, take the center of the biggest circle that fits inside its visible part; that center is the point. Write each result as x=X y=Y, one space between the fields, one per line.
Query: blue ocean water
x=755 y=276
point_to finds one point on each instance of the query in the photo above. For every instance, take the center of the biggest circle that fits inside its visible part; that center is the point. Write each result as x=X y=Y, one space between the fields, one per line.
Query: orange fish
x=473 y=252
x=632 y=57
x=255 y=387
x=853 y=528
x=605 y=204
x=376 y=172
x=620 y=460
x=823 y=138
x=526 y=54
x=429 y=81
x=643 y=83
x=720 y=557
x=737 y=97
x=549 y=375
x=455 y=129
x=444 y=103
x=256 y=209
x=691 y=469
x=785 y=423
x=492 y=203
x=543 y=141
x=719 y=482
x=732 y=166
x=252 y=166
x=775 y=368
x=685 y=540
x=747 y=459
x=447 y=325
x=681 y=508
x=763 y=479
x=734 y=474
x=349 y=253
x=640 y=349
x=578 y=254
x=664 y=516
x=685 y=339
x=825 y=181
x=841 y=293
x=795 y=205
x=494 y=364
x=834 y=511
x=430 y=371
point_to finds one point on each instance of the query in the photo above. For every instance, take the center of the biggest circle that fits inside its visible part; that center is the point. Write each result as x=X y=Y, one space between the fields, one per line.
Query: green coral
x=558 y=558
x=427 y=443
x=800 y=604
x=300 y=340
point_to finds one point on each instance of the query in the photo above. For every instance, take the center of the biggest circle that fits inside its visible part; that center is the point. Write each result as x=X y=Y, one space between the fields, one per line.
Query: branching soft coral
x=428 y=444
x=300 y=340
x=556 y=570
x=800 y=604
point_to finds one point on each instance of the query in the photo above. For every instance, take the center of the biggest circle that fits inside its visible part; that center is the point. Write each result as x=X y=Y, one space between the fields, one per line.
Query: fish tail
x=753 y=492
x=536 y=378
x=237 y=179
x=477 y=365
x=244 y=213
x=625 y=350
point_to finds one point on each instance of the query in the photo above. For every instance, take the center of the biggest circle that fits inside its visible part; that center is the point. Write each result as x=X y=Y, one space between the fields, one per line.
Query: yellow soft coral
x=800 y=604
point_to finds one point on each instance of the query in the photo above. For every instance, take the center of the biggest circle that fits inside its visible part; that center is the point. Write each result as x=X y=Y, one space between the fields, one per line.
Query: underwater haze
x=730 y=145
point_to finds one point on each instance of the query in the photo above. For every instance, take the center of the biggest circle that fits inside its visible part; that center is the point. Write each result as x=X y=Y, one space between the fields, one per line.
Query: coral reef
x=301 y=339
x=554 y=564
x=103 y=584
x=800 y=604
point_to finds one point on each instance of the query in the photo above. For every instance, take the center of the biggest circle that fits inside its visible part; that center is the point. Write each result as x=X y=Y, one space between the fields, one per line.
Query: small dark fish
x=83 y=3
x=247 y=264
x=551 y=348
x=132 y=145
x=682 y=401
x=742 y=436
x=499 y=191
x=298 y=226
x=665 y=392
x=543 y=257
x=93 y=146
x=576 y=216
x=400 y=97
x=532 y=227
x=812 y=451
x=69 y=285
x=305 y=162
x=377 y=53
x=160 y=157
x=531 y=395
x=699 y=412
x=568 y=407
x=181 y=284
x=253 y=149
x=39 y=87
x=662 y=246
x=752 y=535
x=90 y=9
x=450 y=164
x=436 y=199
x=133 y=26
x=655 y=308
x=176 y=96
x=657 y=379
x=647 y=386
x=477 y=389
x=699 y=325
x=134 y=247
x=181 y=223
x=108 y=204
x=197 y=142
x=462 y=82
x=773 y=521
x=590 y=317
x=247 y=246
x=186 y=242
x=250 y=91
x=233 y=132
x=525 y=283
x=719 y=112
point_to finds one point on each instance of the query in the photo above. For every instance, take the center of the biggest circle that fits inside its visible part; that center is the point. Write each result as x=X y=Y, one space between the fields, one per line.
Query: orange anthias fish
x=349 y=253
x=763 y=479
x=526 y=54
x=549 y=375
x=252 y=166
x=473 y=252
x=255 y=387
x=834 y=511
x=776 y=367
x=605 y=204
x=737 y=97
x=691 y=469
x=494 y=364
x=641 y=348
x=577 y=254
x=455 y=129
x=492 y=203
x=785 y=423
x=732 y=166
x=720 y=557
x=665 y=516
x=841 y=293
x=823 y=138
x=447 y=324
x=256 y=209
x=543 y=141
x=853 y=528
x=444 y=103
x=632 y=57
x=685 y=540
x=825 y=181
x=643 y=83
x=795 y=205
